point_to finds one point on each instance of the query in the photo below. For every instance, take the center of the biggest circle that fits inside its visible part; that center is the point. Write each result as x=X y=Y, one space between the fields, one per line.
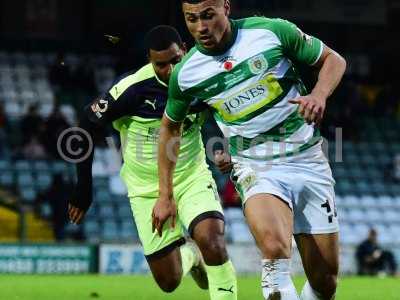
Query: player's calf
x=320 y=287
x=209 y=236
x=167 y=270
x=320 y=256
x=168 y=282
x=271 y=223
x=193 y=263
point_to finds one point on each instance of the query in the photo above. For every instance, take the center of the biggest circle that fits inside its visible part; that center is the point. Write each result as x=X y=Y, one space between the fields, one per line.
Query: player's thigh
x=271 y=222
x=320 y=257
x=157 y=250
x=314 y=205
x=267 y=205
x=198 y=200
x=200 y=210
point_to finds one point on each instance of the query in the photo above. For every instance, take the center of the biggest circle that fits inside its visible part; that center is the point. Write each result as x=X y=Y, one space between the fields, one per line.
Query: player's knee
x=274 y=247
x=168 y=282
x=213 y=248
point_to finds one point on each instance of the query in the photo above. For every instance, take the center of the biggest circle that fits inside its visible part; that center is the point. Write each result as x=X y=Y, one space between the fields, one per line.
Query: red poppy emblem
x=228 y=65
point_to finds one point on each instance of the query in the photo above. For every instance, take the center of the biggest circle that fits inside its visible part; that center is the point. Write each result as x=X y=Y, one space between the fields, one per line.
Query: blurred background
x=57 y=55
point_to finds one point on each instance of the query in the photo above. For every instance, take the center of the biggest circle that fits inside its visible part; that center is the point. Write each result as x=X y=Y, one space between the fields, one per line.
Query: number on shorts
x=331 y=213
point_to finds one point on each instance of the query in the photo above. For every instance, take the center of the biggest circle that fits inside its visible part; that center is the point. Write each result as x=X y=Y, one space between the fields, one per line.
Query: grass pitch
x=86 y=287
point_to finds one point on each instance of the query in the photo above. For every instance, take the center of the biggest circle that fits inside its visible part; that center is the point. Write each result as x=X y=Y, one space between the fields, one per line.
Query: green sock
x=188 y=258
x=222 y=281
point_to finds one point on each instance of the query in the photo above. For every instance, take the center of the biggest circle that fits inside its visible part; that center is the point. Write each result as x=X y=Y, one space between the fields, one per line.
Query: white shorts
x=305 y=183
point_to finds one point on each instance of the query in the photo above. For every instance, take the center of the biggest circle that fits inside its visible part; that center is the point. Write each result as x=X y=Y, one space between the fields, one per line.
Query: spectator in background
x=3 y=132
x=85 y=79
x=396 y=169
x=34 y=149
x=61 y=80
x=84 y=83
x=55 y=124
x=31 y=124
x=392 y=170
x=387 y=101
x=60 y=74
x=372 y=259
x=57 y=195
x=230 y=196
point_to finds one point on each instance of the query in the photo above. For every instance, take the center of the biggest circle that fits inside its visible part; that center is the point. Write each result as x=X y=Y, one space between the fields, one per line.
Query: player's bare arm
x=165 y=208
x=332 y=67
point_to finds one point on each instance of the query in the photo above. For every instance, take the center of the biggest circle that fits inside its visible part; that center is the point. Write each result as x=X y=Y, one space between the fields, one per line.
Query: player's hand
x=223 y=161
x=163 y=210
x=311 y=107
x=75 y=214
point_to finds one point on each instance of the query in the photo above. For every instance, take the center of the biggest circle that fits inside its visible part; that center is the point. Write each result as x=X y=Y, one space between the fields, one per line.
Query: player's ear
x=227 y=7
x=148 y=54
x=184 y=48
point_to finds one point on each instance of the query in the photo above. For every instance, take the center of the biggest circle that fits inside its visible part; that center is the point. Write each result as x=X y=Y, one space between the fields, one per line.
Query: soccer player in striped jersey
x=245 y=70
x=135 y=105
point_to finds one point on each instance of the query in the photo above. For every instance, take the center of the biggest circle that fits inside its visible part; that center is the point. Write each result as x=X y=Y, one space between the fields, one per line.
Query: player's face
x=207 y=22
x=163 y=61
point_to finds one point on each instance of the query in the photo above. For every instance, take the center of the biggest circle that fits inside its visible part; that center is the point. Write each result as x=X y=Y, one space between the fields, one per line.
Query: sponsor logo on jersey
x=246 y=97
x=258 y=64
x=212 y=87
x=153 y=134
x=248 y=100
x=99 y=107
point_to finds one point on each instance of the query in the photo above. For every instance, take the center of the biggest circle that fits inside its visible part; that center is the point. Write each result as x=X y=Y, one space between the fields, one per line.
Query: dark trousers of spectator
x=386 y=262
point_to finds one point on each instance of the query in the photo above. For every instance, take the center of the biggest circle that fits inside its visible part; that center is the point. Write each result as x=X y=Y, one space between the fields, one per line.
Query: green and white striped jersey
x=248 y=86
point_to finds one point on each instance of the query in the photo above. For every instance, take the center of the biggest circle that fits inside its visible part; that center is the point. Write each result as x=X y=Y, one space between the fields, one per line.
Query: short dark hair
x=161 y=38
x=192 y=1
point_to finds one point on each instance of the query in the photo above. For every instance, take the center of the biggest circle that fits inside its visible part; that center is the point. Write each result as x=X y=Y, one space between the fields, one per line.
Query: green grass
x=27 y=287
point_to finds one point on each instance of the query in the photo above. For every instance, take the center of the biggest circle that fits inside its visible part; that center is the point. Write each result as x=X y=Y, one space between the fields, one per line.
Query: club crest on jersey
x=258 y=64
x=99 y=107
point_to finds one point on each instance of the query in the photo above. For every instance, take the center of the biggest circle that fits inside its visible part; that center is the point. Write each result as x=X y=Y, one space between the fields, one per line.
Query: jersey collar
x=228 y=45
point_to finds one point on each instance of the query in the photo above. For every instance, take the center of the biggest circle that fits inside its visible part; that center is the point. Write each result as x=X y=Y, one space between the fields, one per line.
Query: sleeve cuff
x=320 y=53
x=171 y=119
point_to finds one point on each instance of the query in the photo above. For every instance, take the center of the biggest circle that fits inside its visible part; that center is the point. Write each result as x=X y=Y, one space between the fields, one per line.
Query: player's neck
x=226 y=40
